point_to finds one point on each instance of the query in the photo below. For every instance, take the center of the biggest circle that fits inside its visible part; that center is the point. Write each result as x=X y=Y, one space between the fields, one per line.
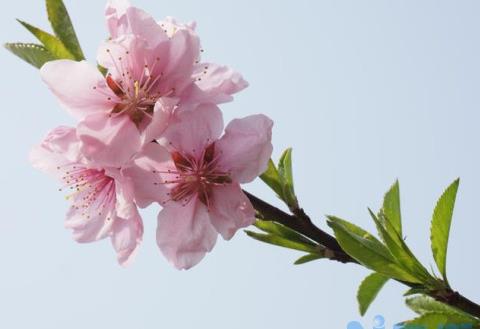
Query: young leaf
x=50 y=42
x=367 y=250
x=369 y=289
x=282 y=242
x=400 y=251
x=31 y=53
x=272 y=179
x=440 y=229
x=308 y=258
x=63 y=28
x=391 y=207
x=286 y=178
x=437 y=320
x=423 y=304
x=282 y=231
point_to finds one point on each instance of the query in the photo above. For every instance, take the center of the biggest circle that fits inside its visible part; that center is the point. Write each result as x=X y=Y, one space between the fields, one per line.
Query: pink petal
x=162 y=114
x=123 y=19
x=184 y=233
x=246 y=147
x=126 y=237
x=230 y=210
x=215 y=84
x=142 y=173
x=190 y=131
x=109 y=141
x=59 y=148
x=80 y=87
x=183 y=53
x=89 y=227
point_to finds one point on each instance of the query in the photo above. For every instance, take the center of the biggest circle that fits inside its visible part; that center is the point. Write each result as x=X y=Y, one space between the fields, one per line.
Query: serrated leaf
x=63 y=28
x=50 y=42
x=31 y=53
x=440 y=227
x=423 y=304
x=272 y=179
x=437 y=320
x=308 y=258
x=367 y=250
x=286 y=178
x=400 y=251
x=283 y=231
x=282 y=242
x=391 y=207
x=369 y=289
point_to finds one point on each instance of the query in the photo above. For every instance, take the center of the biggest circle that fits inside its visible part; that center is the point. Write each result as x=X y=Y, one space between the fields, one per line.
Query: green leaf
x=440 y=228
x=423 y=304
x=286 y=179
x=282 y=242
x=391 y=207
x=308 y=258
x=437 y=320
x=283 y=231
x=50 y=42
x=369 y=289
x=400 y=251
x=31 y=53
x=63 y=28
x=367 y=250
x=272 y=179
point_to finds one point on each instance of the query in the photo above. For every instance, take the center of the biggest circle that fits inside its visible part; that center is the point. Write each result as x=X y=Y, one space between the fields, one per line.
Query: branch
x=302 y=223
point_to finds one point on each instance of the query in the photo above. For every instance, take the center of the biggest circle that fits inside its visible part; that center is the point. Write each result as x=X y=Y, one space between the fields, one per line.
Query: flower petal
x=162 y=114
x=142 y=173
x=230 y=210
x=184 y=233
x=122 y=18
x=59 y=148
x=126 y=237
x=109 y=141
x=215 y=84
x=91 y=226
x=80 y=87
x=246 y=147
x=191 y=130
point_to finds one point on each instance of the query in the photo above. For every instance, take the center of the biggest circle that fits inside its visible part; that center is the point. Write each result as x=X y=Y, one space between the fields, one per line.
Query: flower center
x=195 y=176
x=93 y=191
x=137 y=92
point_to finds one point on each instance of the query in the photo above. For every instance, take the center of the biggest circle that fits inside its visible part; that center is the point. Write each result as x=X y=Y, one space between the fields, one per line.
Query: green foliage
x=423 y=305
x=50 y=42
x=368 y=250
x=391 y=208
x=286 y=178
x=369 y=289
x=440 y=228
x=308 y=258
x=435 y=320
x=62 y=46
x=280 y=235
x=400 y=251
x=63 y=28
x=272 y=179
x=282 y=242
x=31 y=53
x=281 y=180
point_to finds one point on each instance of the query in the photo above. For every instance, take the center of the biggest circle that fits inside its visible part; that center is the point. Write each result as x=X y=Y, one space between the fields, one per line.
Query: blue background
x=364 y=91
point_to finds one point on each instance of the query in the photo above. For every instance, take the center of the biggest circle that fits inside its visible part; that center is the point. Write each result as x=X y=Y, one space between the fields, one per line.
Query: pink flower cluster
x=150 y=131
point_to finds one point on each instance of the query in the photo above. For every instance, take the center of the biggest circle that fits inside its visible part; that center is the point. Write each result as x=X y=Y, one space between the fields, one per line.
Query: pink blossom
x=102 y=199
x=196 y=176
x=152 y=67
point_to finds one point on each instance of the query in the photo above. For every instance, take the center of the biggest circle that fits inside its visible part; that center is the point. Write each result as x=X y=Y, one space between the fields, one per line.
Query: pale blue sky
x=364 y=91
